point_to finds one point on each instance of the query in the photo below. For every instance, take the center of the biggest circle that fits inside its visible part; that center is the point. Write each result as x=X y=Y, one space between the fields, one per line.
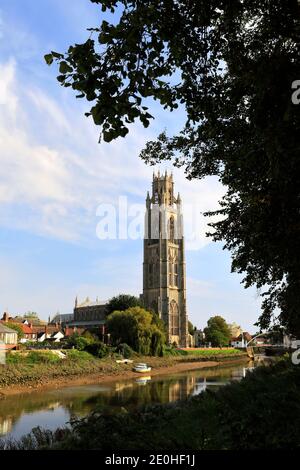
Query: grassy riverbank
x=39 y=368
x=260 y=412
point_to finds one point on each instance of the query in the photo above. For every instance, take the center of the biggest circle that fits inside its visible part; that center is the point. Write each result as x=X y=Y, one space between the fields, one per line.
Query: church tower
x=164 y=283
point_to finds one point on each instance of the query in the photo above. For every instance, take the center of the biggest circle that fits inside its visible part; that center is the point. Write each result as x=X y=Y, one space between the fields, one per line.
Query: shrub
x=33 y=357
x=79 y=342
x=98 y=349
x=172 y=351
x=126 y=351
x=75 y=355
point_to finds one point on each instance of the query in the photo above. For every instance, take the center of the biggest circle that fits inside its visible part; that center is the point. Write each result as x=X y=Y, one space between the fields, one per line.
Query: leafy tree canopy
x=137 y=328
x=122 y=302
x=190 y=328
x=231 y=65
x=29 y=315
x=217 y=332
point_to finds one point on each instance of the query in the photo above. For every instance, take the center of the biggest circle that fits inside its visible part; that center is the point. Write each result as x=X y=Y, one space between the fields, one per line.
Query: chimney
x=5 y=317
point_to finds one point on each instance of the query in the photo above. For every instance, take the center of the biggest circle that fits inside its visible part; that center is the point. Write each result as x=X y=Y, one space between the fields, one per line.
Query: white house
x=57 y=337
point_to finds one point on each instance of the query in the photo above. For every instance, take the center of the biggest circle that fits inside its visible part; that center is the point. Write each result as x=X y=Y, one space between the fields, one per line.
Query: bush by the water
x=172 y=351
x=260 y=412
x=98 y=349
x=90 y=343
x=32 y=357
x=75 y=355
x=126 y=351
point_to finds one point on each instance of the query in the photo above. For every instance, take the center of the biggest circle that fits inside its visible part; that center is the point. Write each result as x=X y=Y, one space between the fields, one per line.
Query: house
x=26 y=320
x=28 y=333
x=42 y=336
x=241 y=341
x=8 y=337
x=57 y=336
x=235 y=330
x=49 y=332
x=199 y=338
x=261 y=341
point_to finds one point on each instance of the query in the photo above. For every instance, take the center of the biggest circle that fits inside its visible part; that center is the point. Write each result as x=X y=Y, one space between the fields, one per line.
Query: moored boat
x=141 y=367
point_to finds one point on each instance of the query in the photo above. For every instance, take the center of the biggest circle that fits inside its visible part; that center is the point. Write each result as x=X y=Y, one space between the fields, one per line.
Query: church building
x=164 y=278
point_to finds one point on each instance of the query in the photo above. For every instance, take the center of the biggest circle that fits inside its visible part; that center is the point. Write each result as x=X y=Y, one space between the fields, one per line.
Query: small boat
x=124 y=361
x=141 y=367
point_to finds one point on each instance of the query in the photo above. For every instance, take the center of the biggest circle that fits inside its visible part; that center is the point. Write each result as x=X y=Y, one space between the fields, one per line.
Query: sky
x=54 y=176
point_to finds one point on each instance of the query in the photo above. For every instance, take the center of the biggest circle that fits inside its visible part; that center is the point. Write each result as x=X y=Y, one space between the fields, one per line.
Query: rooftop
x=5 y=329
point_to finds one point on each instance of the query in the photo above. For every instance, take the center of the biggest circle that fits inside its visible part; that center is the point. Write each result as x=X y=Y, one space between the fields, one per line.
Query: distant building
x=28 y=333
x=164 y=277
x=57 y=336
x=8 y=337
x=199 y=338
x=235 y=330
x=87 y=315
x=241 y=341
x=62 y=319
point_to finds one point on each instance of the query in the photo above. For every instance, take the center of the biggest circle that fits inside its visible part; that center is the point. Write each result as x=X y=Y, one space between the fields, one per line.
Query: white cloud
x=52 y=165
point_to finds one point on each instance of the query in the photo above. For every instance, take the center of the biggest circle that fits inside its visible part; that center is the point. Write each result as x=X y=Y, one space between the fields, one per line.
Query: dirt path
x=127 y=373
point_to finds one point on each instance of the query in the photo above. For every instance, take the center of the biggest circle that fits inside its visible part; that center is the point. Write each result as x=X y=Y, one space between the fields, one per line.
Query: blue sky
x=53 y=176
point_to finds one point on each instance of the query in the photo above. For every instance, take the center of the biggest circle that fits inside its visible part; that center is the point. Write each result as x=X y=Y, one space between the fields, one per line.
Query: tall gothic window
x=170 y=274
x=175 y=268
x=171 y=229
x=174 y=318
x=151 y=275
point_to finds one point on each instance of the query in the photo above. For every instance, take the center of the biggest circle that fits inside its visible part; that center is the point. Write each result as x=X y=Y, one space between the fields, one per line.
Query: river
x=53 y=408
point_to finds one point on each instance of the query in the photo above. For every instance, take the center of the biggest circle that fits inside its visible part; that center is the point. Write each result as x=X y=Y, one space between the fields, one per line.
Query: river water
x=53 y=408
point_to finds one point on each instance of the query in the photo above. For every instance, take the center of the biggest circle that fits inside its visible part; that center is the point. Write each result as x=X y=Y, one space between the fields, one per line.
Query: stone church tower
x=164 y=284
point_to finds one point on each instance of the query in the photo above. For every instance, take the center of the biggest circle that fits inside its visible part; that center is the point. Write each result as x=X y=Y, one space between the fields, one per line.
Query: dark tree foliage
x=231 y=64
x=122 y=302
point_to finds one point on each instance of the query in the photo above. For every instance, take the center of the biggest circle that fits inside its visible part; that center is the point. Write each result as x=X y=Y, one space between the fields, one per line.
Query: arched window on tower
x=171 y=229
x=151 y=275
x=175 y=268
x=174 y=318
x=171 y=274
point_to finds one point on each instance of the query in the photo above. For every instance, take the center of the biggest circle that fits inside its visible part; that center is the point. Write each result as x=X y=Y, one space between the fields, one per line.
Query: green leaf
x=64 y=68
x=49 y=59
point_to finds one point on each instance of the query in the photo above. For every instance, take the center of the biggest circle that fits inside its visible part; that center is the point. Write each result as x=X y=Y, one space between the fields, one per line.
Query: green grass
x=213 y=352
x=202 y=353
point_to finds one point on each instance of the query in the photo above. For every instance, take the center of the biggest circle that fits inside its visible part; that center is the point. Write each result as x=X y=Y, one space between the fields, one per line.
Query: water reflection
x=51 y=409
